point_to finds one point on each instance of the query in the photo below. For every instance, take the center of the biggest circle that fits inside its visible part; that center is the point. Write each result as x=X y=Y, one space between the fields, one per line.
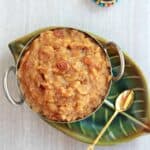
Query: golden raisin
x=87 y=60
x=62 y=65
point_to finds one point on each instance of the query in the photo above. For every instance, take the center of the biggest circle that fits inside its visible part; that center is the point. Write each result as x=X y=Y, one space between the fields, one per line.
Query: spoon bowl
x=124 y=100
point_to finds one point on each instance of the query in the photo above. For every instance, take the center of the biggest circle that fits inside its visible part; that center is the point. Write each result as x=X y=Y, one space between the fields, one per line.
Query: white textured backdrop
x=127 y=23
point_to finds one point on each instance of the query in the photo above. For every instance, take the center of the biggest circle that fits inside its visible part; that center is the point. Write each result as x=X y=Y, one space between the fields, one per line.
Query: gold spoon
x=123 y=102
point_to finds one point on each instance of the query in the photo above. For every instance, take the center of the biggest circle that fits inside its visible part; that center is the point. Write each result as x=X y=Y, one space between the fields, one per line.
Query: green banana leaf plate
x=127 y=125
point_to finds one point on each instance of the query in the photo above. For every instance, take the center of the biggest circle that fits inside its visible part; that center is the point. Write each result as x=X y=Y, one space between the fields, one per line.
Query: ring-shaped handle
x=6 y=90
x=122 y=60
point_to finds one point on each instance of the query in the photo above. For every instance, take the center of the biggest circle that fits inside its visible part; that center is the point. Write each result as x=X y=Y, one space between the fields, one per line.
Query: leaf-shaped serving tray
x=125 y=127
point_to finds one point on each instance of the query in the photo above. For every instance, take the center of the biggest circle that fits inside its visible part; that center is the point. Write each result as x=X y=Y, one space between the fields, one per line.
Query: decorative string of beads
x=105 y=3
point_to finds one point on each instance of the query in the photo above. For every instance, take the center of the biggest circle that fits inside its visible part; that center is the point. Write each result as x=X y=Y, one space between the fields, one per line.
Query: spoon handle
x=91 y=147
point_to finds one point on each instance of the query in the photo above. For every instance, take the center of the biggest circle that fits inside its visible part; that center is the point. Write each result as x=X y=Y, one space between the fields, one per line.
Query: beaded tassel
x=105 y=3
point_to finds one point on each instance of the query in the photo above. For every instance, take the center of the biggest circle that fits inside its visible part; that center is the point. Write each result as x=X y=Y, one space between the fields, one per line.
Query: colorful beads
x=105 y=3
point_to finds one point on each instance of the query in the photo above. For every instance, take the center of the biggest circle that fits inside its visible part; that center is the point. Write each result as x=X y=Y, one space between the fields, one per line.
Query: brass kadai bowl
x=104 y=51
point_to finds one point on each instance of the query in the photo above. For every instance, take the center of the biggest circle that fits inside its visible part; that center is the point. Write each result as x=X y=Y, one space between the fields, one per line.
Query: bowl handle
x=6 y=89
x=122 y=60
